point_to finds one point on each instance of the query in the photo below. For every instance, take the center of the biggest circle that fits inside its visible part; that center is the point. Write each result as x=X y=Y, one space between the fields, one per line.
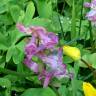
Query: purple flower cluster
x=91 y=15
x=42 y=46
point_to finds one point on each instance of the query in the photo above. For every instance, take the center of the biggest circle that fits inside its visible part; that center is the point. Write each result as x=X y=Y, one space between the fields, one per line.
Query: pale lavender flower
x=54 y=68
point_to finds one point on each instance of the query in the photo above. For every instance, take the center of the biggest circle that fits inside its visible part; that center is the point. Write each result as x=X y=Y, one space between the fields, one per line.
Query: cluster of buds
x=91 y=15
x=48 y=61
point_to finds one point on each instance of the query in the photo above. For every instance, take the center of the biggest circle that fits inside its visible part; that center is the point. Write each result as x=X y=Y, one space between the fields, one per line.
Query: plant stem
x=60 y=22
x=81 y=18
x=87 y=64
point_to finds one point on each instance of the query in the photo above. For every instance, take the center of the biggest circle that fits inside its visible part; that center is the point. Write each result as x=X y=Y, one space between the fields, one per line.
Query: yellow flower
x=72 y=52
x=89 y=90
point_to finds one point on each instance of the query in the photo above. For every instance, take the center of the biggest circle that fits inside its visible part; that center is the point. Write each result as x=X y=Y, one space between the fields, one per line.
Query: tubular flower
x=72 y=52
x=48 y=39
x=89 y=90
x=41 y=46
x=54 y=68
x=91 y=15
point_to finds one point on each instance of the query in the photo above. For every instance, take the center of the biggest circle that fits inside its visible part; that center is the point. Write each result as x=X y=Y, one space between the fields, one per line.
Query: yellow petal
x=72 y=52
x=89 y=90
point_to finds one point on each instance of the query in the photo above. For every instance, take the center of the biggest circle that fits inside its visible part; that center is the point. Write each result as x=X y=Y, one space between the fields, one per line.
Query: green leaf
x=44 y=8
x=63 y=91
x=67 y=60
x=3 y=8
x=2 y=59
x=29 y=13
x=39 y=92
x=4 y=2
x=3 y=47
x=18 y=56
x=3 y=42
x=15 y=12
x=4 y=82
x=90 y=59
x=9 y=53
x=69 y=2
x=41 y=22
x=6 y=19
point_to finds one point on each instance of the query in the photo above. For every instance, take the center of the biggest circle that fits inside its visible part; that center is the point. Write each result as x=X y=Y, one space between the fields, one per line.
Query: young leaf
x=29 y=13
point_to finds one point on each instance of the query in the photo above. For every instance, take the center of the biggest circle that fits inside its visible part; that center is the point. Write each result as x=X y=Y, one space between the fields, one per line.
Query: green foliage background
x=67 y=19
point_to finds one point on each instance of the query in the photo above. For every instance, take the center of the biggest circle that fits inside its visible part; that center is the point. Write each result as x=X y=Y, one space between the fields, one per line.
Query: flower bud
x=89 y=90
x=72 y=52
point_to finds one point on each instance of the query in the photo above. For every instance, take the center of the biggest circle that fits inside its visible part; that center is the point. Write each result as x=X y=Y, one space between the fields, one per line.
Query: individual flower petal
x=30 y=48
x=21 y=27
x=32 y=65
x=47 y=80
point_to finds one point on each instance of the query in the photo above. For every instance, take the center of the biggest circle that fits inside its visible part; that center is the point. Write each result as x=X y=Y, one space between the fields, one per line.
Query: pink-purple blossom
x=91 y=15
x=42 y=46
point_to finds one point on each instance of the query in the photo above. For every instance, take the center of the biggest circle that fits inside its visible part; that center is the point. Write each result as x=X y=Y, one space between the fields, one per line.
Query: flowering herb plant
x=48 y=48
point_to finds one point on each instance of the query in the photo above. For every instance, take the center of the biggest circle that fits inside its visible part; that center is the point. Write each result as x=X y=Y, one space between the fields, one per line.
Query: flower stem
x=90 y=67
x=87 y=64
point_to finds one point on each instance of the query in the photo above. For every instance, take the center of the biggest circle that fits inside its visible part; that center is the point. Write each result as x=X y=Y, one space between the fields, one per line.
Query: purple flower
x=91 y=15
x=21 y=27
x=32 y=65
x=48 y=39
x=42 y=46
x=88 y=5
x=54 y=68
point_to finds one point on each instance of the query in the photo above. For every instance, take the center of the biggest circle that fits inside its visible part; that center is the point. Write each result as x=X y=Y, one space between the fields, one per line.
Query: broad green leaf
x=44 y=8
x=39 y=92
x=29 y=13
